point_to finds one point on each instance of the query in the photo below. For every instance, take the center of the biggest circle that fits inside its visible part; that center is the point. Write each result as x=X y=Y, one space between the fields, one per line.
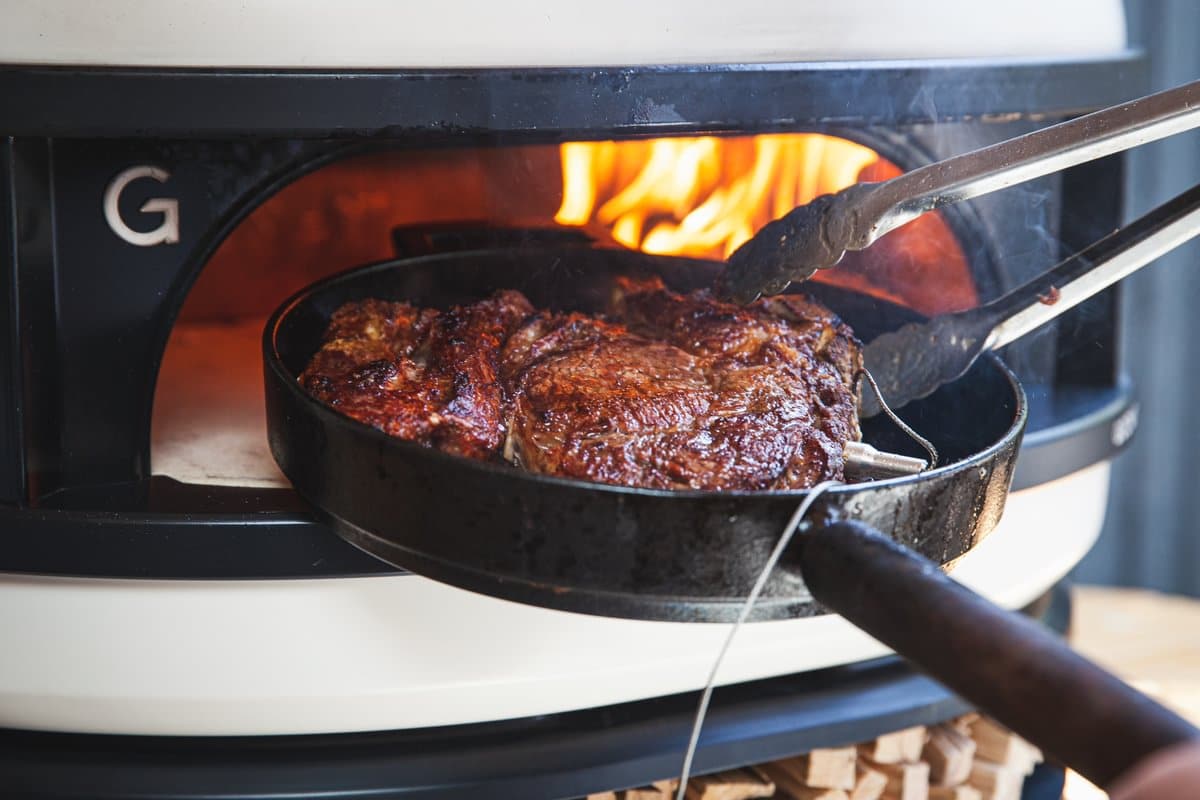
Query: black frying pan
x=693 y=556
x=581 y=546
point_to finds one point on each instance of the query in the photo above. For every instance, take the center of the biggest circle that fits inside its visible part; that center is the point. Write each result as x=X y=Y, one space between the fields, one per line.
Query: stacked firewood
x=970 y=758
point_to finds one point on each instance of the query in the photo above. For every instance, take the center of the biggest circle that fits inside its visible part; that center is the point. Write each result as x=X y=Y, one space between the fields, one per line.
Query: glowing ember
x=701 y=196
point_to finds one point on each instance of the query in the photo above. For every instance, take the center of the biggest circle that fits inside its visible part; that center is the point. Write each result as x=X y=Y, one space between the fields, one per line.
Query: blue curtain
x=1151 y=537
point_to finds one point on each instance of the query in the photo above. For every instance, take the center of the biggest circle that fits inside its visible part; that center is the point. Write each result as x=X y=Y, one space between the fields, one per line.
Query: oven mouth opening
x=695 y=196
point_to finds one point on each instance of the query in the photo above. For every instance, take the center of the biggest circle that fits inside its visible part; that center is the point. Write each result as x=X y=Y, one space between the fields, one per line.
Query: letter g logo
x=166 y=233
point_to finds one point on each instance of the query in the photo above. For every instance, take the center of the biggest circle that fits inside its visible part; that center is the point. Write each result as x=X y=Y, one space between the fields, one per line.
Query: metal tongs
x=817 y=235
x=914 y=361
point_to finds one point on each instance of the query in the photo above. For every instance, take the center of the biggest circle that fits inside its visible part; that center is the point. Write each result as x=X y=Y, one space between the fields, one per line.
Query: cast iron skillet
x=581 y=546
x=691 y=556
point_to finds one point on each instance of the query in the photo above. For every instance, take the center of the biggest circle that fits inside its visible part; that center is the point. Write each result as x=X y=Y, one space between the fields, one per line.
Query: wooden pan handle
x=1007 y=665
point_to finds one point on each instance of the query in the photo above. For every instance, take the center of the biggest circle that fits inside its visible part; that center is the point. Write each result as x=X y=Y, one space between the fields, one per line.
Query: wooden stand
x=970 y=758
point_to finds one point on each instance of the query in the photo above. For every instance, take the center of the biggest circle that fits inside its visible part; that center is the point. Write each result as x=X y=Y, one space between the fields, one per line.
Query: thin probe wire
x=789 y=531
x=901 y=424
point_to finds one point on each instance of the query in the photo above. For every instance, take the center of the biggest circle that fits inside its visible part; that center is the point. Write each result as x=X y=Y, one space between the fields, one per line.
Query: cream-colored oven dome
x=510 y=33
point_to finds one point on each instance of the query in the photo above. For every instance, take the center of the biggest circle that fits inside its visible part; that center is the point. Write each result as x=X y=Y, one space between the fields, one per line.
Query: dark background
x=1150 y=536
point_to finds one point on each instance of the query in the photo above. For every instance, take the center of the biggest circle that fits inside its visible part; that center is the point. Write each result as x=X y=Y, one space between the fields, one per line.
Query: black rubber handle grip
x=1007 y=665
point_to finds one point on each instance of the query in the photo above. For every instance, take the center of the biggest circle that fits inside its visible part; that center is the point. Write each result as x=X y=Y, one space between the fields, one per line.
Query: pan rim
x=274 y=361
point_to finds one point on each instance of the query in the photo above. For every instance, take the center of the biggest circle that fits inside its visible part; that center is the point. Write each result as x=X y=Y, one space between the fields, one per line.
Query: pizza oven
x=168 y=598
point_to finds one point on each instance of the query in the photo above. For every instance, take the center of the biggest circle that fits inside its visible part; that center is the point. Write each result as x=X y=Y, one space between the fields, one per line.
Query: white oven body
x=395 y=652
x=380 y=653
x=520 y=33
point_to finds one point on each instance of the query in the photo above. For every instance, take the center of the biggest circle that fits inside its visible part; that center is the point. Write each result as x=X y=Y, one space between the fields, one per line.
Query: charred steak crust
x=420 y=374
x=667 y=391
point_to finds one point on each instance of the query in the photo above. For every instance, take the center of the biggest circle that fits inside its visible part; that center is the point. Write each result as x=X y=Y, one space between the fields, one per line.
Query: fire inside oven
x=691 y=196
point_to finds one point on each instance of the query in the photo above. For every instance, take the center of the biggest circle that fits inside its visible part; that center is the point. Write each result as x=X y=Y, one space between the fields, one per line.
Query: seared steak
x=419 y=374
x=666 y=391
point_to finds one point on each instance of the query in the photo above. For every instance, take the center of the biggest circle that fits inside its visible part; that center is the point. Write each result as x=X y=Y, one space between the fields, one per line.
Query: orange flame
x=701 y=196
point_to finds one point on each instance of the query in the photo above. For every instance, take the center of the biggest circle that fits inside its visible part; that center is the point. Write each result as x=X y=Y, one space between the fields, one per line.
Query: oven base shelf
x=295 y=656
x=562 y=755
